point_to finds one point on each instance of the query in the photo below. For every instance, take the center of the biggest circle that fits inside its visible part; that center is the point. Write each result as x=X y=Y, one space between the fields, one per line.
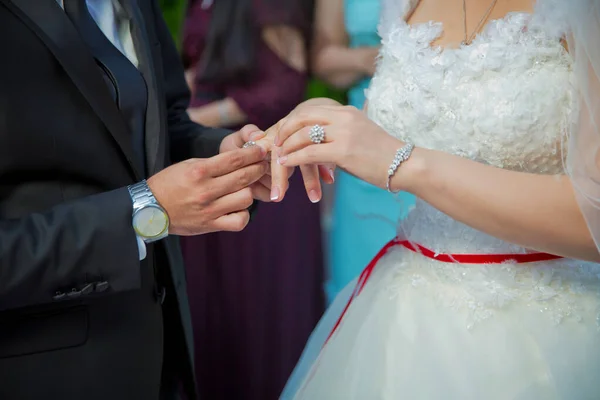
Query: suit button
x=73 y=294
x=101 y=286
x=87 y=289
x=58 y=296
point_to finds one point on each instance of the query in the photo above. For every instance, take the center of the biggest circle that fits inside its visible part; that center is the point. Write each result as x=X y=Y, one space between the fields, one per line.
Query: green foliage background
x=174 y=14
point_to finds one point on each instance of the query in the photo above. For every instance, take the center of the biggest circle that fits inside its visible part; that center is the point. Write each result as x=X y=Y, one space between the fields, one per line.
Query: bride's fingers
x=310 y=175
x=301 y=139
x=279 y=179
x=327 y=173
x=323 y=153
x=251 y=132
x=265 y=142
x=306 y=117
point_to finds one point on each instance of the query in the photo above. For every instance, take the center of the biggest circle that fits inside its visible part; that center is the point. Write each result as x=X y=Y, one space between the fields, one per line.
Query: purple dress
x=255 y=296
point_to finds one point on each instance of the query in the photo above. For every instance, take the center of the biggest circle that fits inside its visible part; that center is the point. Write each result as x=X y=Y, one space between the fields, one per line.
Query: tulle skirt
x=422 y=329
x=364 y=219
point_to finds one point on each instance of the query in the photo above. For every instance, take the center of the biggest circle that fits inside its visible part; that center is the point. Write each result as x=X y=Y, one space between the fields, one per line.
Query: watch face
x=150 y=222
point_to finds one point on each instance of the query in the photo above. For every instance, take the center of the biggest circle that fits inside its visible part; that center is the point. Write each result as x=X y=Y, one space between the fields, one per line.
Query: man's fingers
x=237 y=179
x=251 y=132
x=233 y=222
x=231 y=203
x=230 y=161
x=261 y=192
x=310 y=175
x=266 y=181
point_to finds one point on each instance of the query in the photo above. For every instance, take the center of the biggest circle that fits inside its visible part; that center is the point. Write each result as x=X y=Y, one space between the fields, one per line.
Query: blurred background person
x=255 y=296
x=345 y=47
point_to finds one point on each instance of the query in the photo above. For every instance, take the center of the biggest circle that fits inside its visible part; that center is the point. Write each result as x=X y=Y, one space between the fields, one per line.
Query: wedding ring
x=249 y=144
x=317 y=134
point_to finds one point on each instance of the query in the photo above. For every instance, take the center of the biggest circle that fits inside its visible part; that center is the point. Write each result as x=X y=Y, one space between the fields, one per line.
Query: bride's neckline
x=450 y=47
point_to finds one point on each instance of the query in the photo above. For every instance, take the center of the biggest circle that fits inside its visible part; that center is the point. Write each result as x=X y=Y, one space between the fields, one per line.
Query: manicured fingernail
x=332 y=175
x=275 y=193
x=314 y=196
x=257 y=135
x=281 y=160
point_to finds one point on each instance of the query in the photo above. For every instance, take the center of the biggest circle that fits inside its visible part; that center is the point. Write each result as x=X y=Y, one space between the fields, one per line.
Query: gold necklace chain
x=468 y=40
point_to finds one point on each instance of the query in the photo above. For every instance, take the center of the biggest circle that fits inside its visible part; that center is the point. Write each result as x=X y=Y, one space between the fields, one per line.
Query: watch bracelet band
x=141 y=195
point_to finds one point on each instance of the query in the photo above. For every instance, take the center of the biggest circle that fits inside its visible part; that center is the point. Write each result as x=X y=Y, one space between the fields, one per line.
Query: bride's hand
x=280 y=174
x=352 y=141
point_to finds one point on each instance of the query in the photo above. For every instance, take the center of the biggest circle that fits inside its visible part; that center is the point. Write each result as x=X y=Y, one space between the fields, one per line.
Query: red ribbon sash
x=448 y=258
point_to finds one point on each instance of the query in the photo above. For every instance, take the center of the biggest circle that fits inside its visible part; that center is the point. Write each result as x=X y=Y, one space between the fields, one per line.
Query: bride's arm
x=534 y=211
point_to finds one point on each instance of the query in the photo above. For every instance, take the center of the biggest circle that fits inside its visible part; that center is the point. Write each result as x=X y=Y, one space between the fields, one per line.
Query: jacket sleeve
x=81 y=248
x=187 y=139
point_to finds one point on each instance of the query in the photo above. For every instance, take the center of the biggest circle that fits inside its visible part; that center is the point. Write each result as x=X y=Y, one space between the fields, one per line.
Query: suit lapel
x=52 y=26
x=154 y=120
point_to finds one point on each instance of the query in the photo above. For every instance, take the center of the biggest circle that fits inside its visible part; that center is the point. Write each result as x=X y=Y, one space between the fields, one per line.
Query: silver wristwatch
x=150 y=220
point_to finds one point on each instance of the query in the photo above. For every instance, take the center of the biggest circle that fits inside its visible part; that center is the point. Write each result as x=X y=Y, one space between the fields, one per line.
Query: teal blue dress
x=364 y=217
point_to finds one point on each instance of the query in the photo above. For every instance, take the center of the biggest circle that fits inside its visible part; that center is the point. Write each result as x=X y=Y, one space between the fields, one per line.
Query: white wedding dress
x=425 y=329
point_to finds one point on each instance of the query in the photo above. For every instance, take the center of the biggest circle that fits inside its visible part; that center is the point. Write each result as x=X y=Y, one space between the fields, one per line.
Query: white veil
x=583 y=157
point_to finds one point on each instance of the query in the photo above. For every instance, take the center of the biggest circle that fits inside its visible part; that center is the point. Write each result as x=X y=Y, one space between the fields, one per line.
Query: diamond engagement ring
x=249 y=144
x=317 y=134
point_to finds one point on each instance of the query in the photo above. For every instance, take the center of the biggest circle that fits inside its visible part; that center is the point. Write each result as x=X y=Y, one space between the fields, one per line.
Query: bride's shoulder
x=400 y=8
x=394 y=12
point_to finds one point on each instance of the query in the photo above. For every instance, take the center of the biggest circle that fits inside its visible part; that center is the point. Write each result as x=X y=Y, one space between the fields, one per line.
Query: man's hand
x=236 y=140
x=210 y=195
x=261 y=190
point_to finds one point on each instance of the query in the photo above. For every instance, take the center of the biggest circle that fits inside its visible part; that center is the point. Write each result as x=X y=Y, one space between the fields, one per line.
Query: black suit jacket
x=79 y=314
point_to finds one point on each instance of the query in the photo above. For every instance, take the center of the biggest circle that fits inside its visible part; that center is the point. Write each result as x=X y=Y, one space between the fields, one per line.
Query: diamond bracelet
x=402 y=154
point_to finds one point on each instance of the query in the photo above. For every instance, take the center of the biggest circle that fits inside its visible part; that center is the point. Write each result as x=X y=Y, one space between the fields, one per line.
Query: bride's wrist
x=411 y=173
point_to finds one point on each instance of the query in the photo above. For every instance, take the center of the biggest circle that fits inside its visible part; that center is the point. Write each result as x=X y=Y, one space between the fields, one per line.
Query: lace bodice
x=504 y=100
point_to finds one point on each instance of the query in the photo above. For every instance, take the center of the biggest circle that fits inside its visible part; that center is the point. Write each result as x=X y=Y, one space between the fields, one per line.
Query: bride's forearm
x=535 y=211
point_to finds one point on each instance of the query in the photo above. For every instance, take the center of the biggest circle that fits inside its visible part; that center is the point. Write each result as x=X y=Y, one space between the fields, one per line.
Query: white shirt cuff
x=141 y=247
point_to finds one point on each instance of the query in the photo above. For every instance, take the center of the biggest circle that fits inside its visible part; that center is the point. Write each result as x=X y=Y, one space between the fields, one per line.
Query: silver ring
x=249 y=144
x=317 y=134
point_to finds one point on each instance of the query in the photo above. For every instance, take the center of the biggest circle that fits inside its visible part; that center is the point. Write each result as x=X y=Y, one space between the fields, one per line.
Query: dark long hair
x=233 y=35
x=230 y=49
